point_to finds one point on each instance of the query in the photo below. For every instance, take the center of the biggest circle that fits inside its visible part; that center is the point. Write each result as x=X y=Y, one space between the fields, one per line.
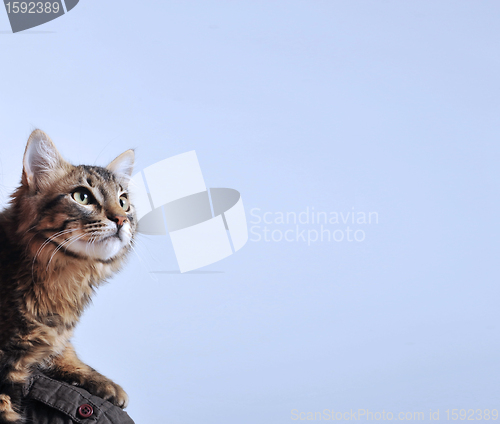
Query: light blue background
x=383 y=106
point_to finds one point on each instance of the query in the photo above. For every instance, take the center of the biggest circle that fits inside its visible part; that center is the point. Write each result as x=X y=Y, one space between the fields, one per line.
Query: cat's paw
x=108 y=390
x=7 y=413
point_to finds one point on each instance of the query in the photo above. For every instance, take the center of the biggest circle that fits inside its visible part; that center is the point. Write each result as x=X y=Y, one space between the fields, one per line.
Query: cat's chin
x=103 y=251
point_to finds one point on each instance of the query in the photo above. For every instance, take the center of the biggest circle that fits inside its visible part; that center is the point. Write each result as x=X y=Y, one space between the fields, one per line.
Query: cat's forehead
x=96 y=176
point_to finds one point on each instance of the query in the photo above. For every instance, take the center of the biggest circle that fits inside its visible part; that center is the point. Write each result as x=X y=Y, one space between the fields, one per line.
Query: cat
x=67 y=229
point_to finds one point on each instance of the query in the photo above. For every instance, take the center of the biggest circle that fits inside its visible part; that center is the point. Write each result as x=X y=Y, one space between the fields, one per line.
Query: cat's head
x=79 y=211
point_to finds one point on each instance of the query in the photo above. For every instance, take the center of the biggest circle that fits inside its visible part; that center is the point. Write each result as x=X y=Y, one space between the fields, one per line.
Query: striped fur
x=54 y=252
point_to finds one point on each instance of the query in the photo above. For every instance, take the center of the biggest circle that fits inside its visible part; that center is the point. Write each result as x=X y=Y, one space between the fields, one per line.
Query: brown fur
x=45 y=283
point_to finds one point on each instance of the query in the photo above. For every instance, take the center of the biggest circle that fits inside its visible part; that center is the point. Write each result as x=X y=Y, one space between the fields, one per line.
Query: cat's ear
x=123 y=166
x=41 y=161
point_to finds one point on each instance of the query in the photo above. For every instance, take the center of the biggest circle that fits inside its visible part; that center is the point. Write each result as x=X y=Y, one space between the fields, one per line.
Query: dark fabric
x=52 y=402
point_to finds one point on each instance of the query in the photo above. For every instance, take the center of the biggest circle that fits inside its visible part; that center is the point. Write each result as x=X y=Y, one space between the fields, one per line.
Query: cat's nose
x=119 y=219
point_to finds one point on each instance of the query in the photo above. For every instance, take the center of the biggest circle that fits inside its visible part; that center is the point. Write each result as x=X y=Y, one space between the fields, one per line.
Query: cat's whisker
x=152 y=276
x=32 y=237
x=59 y=247
x=29 y=229
x=93 y=238
x=51 y=238
x=64 y=244
x=29 y=242
x=141 y=243
x=44 y=244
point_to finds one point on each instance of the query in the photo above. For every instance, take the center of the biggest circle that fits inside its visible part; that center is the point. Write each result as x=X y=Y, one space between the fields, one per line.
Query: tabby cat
x=66 y=230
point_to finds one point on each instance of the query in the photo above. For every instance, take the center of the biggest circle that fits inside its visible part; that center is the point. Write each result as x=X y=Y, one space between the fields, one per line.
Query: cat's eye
x=82 y=196
x=124 y=203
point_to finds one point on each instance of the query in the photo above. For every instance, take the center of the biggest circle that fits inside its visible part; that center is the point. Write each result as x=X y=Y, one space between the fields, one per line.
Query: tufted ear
x=41 y=161
x=123 y=166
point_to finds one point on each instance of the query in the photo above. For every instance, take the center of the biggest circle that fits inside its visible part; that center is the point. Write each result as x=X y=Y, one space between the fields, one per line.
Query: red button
x=85 y=410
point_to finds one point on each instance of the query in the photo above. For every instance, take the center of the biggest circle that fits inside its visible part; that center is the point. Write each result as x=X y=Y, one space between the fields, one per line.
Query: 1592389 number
x=32 y=7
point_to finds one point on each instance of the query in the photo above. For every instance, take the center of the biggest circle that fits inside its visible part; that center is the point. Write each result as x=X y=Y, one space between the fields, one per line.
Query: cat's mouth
x=104 y=239
x=97 y=247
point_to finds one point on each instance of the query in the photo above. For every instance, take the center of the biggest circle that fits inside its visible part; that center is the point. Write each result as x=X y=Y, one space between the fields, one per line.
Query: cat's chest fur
x=49 y=309
x=64 y=291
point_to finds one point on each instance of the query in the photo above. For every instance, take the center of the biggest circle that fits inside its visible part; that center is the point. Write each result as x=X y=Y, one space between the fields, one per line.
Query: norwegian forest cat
x=66 y=230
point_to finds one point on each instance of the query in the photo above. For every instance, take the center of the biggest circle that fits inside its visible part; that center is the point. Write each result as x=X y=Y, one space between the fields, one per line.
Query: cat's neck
x=49 y=281
x=64 y=285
